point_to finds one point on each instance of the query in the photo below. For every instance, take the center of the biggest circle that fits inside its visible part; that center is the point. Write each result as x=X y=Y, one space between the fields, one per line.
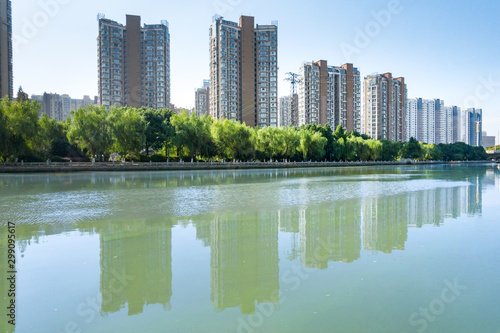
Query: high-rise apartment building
x=330 y=95
x=244 y=71
x=134 y=63
x=53 y=106
x=202 y=99
x=456 y=124
x=472 y=126
x=385 y=106
x=444 y=123
x=429 y=121
x=6 y=77
x=288 y=111
x=58 y=106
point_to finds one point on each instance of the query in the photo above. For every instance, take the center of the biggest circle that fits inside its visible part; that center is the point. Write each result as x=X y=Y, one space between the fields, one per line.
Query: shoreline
x=129 y=166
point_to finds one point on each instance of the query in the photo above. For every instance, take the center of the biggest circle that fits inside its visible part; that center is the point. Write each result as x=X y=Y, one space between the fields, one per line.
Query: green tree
x=20 y=127
x=390 y=150
x=127 y=130
x=90 y=129
x=311 y=145
x=412 y=150
x=233 y=140
x=291 y=141
x=270 y=142
x=4 y=136
x=52 y=138
x=431 y=152
x=340 y=133
x=193 y=135
x=159 y=131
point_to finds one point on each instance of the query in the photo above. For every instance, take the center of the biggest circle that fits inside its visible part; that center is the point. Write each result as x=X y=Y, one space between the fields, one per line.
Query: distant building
x=472 y=126
x=134 y=63
x=244 y=71
x=52 y=106
x=288 y=111
x=456 y=124
x=330 y=95
x=59 y=107
x=202 y=99
x=488 y=141
x=429 y=121
x=385 y=106
x=6 y=76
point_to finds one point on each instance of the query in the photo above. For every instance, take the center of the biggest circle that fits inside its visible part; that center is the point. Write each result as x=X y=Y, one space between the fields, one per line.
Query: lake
x=369 y=249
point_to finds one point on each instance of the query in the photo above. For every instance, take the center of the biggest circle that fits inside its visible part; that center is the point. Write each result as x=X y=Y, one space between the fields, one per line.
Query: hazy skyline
x=445 y=50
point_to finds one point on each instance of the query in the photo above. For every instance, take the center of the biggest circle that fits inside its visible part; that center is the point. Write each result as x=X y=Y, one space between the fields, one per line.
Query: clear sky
x=445 y=49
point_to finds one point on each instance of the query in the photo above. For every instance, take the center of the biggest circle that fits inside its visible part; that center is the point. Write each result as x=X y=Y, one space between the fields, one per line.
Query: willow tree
x=127 y=130
x=90 y=129
x=18 y=127
x=192 y=135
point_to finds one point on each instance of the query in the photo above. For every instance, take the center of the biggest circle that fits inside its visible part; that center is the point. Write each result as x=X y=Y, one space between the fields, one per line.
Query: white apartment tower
x=330 y=95
x=429 y=121
x=134 y=63
x=244 y=71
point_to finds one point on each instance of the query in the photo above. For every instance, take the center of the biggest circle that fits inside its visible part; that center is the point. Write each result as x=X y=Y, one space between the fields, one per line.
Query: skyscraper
x=244 y=71
x=456 y=120
x=472 y=126
x=385 y=105
x=6 y=77
x=330 y=95
x=134 y=63
x=202 y=99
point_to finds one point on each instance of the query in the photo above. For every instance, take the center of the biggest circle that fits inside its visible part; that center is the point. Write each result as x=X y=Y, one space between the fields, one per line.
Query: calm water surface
x=399 y=249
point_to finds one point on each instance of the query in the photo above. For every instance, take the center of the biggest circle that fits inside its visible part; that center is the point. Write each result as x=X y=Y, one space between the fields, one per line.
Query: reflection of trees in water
x=244 y=246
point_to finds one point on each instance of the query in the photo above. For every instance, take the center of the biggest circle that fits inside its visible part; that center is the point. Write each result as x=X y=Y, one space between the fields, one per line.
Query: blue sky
x=444 y=49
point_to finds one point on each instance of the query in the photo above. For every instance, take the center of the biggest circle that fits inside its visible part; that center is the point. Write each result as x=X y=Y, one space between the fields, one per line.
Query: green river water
x=374 y=249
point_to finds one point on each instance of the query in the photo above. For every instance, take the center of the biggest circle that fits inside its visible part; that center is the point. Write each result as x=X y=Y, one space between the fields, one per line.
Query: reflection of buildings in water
x=387 y=218
x=330 y=235
x=288 y=221
x=244 y=260
x=143 y=252
x=385 y=227
x=475 y=196
x=324 y=234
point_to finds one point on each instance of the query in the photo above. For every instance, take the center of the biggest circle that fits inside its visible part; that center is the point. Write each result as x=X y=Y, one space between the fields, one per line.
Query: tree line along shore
x=94 y=133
